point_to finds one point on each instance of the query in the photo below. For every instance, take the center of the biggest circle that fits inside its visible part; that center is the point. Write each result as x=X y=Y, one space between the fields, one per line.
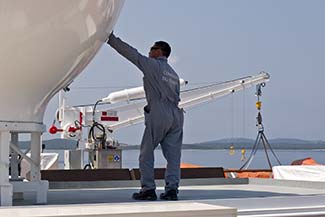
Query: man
x=163 y=118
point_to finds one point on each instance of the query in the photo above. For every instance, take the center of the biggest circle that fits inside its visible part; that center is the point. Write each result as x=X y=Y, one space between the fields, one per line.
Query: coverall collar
x=163 y=58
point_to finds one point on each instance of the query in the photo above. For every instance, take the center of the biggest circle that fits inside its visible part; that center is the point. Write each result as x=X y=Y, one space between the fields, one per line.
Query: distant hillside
x=279 y=143
x=237 y=143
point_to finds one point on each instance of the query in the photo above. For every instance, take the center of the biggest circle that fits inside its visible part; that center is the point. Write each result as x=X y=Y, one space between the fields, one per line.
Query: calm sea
x=218 y=158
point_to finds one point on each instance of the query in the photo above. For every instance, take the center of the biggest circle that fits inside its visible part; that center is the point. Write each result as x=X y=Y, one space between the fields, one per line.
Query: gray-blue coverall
x=163 y=118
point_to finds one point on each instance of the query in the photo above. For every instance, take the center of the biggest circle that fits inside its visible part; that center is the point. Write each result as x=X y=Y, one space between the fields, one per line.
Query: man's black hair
x=164 y=46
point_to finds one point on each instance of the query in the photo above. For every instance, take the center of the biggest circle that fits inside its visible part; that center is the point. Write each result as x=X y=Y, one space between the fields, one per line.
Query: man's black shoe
x=145 y=195
x=169 y=195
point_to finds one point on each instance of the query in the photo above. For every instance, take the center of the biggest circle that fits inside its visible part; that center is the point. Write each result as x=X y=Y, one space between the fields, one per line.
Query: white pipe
x=238 y=85
x=130 y=94
x=61 y=105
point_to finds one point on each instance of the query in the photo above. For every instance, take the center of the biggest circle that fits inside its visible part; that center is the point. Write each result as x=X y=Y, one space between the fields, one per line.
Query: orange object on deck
x=263 y=175
x=250 y=173
x=188 y=165
x=305 y=161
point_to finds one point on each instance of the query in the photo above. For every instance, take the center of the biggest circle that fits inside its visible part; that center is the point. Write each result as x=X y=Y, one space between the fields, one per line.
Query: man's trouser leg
x=146 y=160
x=171 y=147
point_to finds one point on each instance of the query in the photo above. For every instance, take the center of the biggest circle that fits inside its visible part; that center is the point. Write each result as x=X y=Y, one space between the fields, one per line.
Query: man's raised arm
x=142 y=62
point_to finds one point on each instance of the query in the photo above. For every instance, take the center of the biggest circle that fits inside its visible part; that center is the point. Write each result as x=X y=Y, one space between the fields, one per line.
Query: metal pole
x=5 y=186
x=35 y=172
x=14 y=161
x=22 y=154
x=265 y=150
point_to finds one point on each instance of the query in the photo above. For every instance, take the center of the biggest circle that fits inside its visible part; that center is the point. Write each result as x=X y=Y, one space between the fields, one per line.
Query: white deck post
x=41 y=187
x=35 y=172
x=5 y=186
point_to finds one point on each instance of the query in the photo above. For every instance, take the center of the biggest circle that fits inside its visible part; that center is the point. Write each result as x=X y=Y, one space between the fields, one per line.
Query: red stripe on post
x=108 y=118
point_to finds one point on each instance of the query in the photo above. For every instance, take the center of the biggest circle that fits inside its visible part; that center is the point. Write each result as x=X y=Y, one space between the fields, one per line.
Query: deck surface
x=251 y=198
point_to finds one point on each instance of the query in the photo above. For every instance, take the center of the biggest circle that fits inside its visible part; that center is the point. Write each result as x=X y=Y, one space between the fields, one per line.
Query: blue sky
x=214 y=40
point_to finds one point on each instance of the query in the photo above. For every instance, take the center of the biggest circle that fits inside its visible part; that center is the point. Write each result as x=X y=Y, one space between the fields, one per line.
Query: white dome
x=44 y=44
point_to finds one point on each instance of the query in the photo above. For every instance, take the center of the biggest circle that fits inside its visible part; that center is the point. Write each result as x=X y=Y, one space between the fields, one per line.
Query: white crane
x=99 y=124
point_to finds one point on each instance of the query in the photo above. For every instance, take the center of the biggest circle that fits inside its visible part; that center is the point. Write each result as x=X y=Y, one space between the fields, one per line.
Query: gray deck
x=253 y=197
